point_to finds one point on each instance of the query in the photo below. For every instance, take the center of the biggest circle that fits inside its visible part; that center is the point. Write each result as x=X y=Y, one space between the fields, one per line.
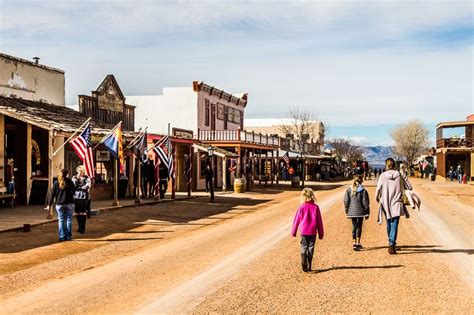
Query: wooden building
x=456 y=148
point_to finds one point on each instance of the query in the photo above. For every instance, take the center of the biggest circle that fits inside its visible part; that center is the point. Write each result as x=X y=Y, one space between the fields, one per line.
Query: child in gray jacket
x=356 y=204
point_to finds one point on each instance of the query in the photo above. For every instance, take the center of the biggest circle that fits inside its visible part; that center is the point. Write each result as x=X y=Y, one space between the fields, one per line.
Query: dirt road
x=233 y=256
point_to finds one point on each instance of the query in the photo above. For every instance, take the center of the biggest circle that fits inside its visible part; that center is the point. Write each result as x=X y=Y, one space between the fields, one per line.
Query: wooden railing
x=454 y=143
x=238 y=135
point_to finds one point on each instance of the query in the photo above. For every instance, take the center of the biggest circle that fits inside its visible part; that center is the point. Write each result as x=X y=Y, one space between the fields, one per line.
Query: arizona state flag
x=113 y=143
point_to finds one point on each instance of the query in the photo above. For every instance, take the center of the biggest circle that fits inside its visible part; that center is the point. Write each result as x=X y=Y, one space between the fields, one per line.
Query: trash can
x=295 y=181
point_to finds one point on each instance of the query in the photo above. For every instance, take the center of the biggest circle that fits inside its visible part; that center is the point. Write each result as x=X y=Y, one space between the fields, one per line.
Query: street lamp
x=210 y=175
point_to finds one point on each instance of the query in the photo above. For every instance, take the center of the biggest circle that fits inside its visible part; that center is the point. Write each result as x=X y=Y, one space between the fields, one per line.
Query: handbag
x=404 y=198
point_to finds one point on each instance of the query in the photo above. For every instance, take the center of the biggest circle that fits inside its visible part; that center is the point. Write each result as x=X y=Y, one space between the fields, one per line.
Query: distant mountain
x=376 y=155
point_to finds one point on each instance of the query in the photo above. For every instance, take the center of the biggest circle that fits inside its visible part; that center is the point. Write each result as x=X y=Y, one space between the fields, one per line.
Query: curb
x=96 y=212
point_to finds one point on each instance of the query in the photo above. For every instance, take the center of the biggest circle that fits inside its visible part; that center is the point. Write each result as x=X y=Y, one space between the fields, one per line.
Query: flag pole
x=173 y=179
x=115 y=202
x=69 y=139
x=139 y=180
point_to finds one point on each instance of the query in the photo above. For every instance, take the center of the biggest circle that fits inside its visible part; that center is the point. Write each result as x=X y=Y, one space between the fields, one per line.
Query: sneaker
x=355 y=247
x=359 y=246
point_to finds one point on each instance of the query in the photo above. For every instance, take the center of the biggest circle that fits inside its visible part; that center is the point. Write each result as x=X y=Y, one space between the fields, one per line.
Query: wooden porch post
x=224 y=173
x=278 y=166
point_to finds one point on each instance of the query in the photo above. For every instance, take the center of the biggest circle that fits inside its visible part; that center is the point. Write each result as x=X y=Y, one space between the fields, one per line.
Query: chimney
x=36 y=59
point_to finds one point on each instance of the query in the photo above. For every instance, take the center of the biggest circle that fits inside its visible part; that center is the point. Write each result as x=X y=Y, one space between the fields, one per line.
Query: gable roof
x=110 y=77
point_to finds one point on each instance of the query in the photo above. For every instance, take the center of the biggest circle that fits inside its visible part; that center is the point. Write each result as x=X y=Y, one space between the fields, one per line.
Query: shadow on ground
x=357 y=267
x=424 y=249
x=149 y=218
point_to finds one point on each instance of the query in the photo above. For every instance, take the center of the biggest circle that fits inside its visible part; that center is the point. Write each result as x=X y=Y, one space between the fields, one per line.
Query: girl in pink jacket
x=308 y=218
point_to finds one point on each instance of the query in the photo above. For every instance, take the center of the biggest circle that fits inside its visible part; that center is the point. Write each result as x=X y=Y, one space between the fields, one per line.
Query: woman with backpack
x=356 y=204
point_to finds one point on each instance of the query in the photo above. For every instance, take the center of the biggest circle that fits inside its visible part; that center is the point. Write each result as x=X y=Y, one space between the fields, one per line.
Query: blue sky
x=362 y=66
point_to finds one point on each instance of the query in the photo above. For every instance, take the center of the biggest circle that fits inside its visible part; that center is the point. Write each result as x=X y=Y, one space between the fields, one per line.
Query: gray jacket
x=357 y=205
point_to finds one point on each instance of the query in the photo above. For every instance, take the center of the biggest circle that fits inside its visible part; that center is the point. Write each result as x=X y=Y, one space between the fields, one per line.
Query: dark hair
x=389 y=164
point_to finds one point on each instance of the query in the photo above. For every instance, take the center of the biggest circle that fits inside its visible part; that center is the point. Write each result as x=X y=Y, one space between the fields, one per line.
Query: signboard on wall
x=102 y=156
x=182 y=133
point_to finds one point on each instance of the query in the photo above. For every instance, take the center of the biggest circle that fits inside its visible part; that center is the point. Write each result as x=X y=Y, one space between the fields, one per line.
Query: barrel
x=295 y=181
x=239 y=185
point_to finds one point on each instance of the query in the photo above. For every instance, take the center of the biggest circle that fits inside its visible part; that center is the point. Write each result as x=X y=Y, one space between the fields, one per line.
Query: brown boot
x=391 y=250
x=304 y=262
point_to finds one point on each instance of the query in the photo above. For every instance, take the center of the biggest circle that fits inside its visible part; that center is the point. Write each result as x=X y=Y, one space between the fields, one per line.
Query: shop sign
x=183 y=133
x=102 y=156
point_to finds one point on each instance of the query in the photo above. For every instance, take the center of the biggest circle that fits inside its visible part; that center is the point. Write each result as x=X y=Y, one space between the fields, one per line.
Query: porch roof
x=217 y=151
x=294 y=155
x=52 y=117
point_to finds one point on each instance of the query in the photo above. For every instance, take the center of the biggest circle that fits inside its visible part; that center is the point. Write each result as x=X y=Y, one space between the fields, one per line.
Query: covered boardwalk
x=256 y=154
x=30 y=132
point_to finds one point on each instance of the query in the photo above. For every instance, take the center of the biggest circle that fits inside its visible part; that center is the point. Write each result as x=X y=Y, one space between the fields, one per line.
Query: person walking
x=82 y=185
x=308 y=219
x=63 y=195
x=389 y=194
x=356 y=204
x=459 y=173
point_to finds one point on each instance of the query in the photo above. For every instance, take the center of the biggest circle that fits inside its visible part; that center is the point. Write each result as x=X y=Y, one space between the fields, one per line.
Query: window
x=241 y=114
x=206 y=113
x=226 y=116
x=220 y=111
x=213 y=117
x=234 y=115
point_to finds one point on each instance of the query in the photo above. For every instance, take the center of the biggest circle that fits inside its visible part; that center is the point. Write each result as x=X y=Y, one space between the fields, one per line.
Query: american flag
x=165 y=153
x=83 y=147
x=286 y=158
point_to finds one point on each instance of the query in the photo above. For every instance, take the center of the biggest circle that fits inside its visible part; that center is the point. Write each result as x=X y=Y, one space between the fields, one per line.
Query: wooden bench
x=5 y=196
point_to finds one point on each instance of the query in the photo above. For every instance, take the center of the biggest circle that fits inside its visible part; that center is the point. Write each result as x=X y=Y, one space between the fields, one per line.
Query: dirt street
x=238 y=256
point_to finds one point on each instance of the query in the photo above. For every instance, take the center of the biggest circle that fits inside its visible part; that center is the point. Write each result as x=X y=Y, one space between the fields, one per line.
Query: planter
x=239 y=185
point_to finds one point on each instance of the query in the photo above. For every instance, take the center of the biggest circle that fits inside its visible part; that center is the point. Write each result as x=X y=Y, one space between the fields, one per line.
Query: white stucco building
x=193 y=108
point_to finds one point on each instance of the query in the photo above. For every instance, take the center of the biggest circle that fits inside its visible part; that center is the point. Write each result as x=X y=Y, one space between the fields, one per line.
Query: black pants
x=81 y=207
x=163 y=188
x=307 y=244
x=357 y=227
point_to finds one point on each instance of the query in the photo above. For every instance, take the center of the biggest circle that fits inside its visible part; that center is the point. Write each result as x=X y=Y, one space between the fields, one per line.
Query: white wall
x=29 y=81
x=176 y=106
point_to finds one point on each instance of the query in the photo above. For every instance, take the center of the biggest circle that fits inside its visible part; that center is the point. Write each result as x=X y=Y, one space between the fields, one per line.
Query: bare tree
x=304 y=126
x=346 y=149
x=410 y=139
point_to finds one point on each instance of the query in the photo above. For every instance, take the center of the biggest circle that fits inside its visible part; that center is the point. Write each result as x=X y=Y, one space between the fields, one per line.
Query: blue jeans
x=392 y=230
x=65 y=221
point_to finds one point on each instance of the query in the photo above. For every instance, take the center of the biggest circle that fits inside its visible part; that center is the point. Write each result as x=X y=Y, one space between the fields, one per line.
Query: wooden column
x=224 y=173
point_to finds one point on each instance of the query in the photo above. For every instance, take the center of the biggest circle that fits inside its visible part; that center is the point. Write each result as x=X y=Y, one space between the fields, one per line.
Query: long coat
x=389 y=194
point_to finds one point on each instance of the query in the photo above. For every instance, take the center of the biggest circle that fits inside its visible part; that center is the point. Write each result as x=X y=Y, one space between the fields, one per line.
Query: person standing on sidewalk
x=356 y=203
x=389 y=194
x=308 y=219
x=63 y=195
x=82 y=184
x=210 y=181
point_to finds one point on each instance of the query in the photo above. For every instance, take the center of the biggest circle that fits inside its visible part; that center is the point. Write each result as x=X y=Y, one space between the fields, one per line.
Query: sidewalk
x=12 y=219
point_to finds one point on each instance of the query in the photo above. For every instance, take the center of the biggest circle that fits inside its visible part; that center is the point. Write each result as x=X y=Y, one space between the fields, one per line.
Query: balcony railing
x=454 y=143
x=238 y=136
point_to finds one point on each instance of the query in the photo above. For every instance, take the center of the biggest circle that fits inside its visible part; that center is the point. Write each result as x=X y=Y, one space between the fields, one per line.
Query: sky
x=362 y=67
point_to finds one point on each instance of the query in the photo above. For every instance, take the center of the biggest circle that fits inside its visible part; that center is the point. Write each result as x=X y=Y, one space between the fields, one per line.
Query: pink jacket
x=308 y=217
